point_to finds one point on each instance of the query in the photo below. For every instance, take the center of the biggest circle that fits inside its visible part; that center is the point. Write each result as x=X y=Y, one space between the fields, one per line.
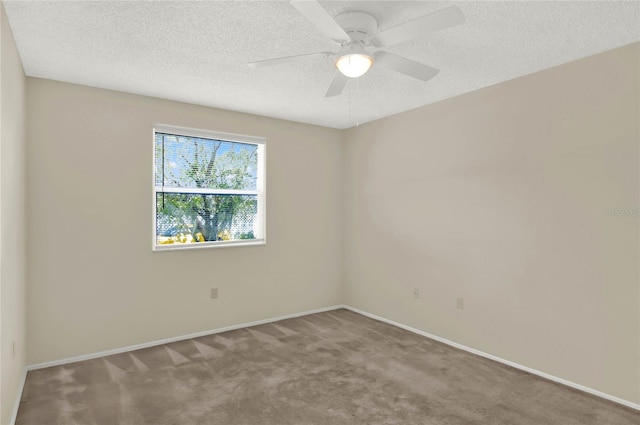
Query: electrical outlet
x=416 y=293
x=460 y=303
x=214 y=293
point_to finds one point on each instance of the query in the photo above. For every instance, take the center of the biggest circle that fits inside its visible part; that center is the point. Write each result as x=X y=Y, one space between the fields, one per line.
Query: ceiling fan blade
x=337 y=84
x=405 y=66
x=286 y=59
x=319 y=17
x=418 y=28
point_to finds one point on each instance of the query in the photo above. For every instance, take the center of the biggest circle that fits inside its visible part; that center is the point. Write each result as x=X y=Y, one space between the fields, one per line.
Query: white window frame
x=261 y=231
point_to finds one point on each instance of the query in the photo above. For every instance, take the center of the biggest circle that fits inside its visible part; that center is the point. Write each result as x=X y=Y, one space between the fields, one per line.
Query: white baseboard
x=319 y=310
x=177 y=338
x=14 y=416
x=501 y=360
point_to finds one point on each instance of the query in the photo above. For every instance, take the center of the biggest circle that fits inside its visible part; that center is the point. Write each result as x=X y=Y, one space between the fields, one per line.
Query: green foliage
x=247 y=235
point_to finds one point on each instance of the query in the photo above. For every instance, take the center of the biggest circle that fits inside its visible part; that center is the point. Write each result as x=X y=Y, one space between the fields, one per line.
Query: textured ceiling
x=197 y=52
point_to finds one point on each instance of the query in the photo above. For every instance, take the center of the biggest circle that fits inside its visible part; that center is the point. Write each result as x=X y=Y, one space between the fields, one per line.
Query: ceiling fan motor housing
x=359 y=39
x=359 y=26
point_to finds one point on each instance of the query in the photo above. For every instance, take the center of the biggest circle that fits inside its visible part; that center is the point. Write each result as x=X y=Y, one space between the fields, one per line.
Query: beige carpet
x=330 y=368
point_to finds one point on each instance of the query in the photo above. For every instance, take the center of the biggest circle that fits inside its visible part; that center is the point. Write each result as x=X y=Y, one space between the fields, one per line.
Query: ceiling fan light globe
x=354 y=65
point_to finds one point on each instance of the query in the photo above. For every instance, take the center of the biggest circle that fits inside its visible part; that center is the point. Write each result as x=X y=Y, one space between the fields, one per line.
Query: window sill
x=206 y=245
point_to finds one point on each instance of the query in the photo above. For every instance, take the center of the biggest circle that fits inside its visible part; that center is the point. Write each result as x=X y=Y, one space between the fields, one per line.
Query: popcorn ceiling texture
x=197 y=52
x=329 y=368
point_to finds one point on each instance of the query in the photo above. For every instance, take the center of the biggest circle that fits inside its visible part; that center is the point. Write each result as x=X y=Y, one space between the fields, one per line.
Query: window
x=209 y=189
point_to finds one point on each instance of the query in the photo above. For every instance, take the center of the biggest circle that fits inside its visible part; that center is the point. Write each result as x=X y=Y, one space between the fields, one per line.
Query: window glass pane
x=193 y=218
x=192 y=162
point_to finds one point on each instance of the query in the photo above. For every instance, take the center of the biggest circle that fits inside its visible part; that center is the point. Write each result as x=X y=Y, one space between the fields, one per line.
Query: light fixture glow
x=354 y=65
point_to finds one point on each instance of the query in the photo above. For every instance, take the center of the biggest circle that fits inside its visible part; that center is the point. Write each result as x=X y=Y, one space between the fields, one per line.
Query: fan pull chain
x=357 y=88
x=349 y=98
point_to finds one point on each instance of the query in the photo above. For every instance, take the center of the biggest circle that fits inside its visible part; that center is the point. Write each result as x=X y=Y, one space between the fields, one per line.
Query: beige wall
x=12 y=224
x=500 y=196
x=94 y=282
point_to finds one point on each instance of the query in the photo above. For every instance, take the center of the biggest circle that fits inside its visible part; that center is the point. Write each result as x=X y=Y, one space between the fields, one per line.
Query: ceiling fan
x=359 y=40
